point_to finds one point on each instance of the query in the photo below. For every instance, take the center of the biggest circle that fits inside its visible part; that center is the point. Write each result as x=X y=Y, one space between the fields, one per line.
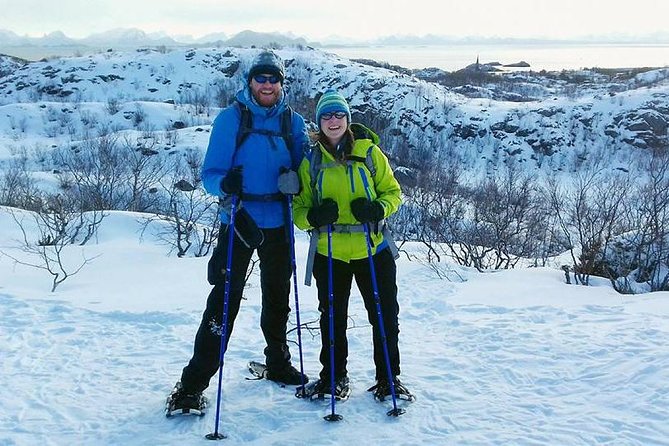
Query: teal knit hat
x=331 y=102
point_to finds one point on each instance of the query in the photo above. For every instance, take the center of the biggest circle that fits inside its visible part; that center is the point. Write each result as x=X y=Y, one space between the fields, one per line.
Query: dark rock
x=184 y=186
x=231 y=69
x=547 y=112
x=511 y=128
x=110 y=77
x=465 y=131
x=406 y=176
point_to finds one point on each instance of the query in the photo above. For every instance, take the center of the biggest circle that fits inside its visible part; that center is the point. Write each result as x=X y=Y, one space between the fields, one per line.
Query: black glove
x=232 y=183
x=288 y=182
x=366 y=211
x=323 y=214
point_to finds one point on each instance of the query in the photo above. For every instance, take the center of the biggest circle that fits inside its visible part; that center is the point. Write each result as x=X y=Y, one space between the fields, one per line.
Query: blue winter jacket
x=262 y=157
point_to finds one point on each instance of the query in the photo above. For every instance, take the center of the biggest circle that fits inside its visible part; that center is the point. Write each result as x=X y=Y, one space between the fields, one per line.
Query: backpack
x=246 y=127
x=359 y=132
x=316 y=165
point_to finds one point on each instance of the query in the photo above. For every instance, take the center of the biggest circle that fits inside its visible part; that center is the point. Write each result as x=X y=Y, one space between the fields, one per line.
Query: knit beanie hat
x=331 y=102
x=266 y=62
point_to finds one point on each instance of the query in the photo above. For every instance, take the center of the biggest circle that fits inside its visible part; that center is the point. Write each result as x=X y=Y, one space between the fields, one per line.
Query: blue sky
x=357 y=19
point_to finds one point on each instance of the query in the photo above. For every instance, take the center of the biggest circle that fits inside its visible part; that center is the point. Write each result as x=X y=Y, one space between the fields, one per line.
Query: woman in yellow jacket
x=347 y=182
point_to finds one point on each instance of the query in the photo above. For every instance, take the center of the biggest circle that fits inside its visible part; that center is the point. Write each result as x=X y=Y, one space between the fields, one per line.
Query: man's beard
x=267 y=100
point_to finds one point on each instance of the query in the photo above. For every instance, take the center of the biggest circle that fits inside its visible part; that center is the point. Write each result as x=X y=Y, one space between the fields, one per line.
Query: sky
x=355 y=19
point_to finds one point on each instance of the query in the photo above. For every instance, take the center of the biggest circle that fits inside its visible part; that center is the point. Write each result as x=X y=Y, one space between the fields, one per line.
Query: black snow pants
x=343 y=273
x=275 y=273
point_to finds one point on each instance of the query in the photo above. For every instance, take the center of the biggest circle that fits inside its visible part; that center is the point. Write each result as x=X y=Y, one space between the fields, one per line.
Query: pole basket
x=396 y=412
x=333 y=417
x=215 y=436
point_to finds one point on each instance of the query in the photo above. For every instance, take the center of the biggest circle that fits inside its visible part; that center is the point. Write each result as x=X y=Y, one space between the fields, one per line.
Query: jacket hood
x=361 y=132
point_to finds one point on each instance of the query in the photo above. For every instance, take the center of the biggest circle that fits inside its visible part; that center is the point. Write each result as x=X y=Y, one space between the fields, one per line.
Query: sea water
x=550 y=57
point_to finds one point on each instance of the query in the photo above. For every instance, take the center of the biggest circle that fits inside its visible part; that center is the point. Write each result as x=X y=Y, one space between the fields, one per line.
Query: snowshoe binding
x=321 y=389
x=381 y=390
x=180 y=402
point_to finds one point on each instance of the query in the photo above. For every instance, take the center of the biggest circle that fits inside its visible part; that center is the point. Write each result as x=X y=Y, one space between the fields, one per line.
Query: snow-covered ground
x=512 y=357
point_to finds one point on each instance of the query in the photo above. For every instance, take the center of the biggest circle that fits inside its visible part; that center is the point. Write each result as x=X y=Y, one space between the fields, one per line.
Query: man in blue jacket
x=255 y=147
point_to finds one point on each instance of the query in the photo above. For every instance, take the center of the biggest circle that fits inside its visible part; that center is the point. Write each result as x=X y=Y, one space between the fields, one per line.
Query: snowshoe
x=179 y=402
x=321 y=388
x=288 y=375
x=381 y=390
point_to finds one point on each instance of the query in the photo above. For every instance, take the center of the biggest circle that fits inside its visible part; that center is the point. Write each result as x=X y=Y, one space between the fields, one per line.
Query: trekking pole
x=395 y=411
x=297 y=303
x=224 y=329
x=333 y=416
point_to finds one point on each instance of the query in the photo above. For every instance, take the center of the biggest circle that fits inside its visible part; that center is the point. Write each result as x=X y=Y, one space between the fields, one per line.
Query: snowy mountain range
x=132 y=37
x=553 y=122
x=124 y=38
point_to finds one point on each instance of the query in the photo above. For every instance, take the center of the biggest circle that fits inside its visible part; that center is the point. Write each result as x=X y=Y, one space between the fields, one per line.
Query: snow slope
x=512 y=357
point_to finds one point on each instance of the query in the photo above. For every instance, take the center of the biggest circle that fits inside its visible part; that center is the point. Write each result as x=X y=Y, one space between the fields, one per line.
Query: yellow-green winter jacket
x=344 y=181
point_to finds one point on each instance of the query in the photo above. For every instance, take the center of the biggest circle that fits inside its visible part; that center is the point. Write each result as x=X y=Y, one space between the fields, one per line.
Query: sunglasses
x=328 y=116
x=261 y=79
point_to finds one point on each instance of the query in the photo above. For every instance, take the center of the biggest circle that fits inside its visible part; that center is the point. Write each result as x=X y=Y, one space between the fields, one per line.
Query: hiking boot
x=382 y=390
x=319 y=389
x=182 y=402
x=287 y=375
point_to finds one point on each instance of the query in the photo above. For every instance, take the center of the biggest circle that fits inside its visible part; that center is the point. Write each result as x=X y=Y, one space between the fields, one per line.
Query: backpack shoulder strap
x=245 y=124
x=368 y=160
x=315 y=164
x=287 y=128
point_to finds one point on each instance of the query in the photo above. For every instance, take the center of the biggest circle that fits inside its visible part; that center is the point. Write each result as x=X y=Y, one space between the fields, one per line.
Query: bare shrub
x=17 y=187
x=191 y=215
x=113 y=174
x=113 y=106
x=58 y=223
x=589 y=214
x=638 y=260
x=97 y=169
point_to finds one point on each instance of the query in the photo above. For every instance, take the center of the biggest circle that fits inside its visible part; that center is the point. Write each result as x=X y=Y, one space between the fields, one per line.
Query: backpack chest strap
x=277 y=196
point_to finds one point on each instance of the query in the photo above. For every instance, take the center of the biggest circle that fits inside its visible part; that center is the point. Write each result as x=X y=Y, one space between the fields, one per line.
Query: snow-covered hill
x=611 y=120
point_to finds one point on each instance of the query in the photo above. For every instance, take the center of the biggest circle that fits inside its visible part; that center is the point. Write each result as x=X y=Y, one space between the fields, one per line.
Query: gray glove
x=288 y=182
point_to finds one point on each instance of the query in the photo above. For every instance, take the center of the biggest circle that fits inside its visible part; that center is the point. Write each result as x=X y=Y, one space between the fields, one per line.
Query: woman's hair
x=346 y=143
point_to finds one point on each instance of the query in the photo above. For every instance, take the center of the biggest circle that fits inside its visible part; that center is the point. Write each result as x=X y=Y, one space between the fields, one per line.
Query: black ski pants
x=275 y=273
x=343 y=274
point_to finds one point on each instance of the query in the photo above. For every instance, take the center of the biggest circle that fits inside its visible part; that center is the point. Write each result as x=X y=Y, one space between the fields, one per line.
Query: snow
x=512 y=357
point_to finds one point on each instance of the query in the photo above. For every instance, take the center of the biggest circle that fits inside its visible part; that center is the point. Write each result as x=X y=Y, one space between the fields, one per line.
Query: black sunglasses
x=328 y=116
x=261 y=79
